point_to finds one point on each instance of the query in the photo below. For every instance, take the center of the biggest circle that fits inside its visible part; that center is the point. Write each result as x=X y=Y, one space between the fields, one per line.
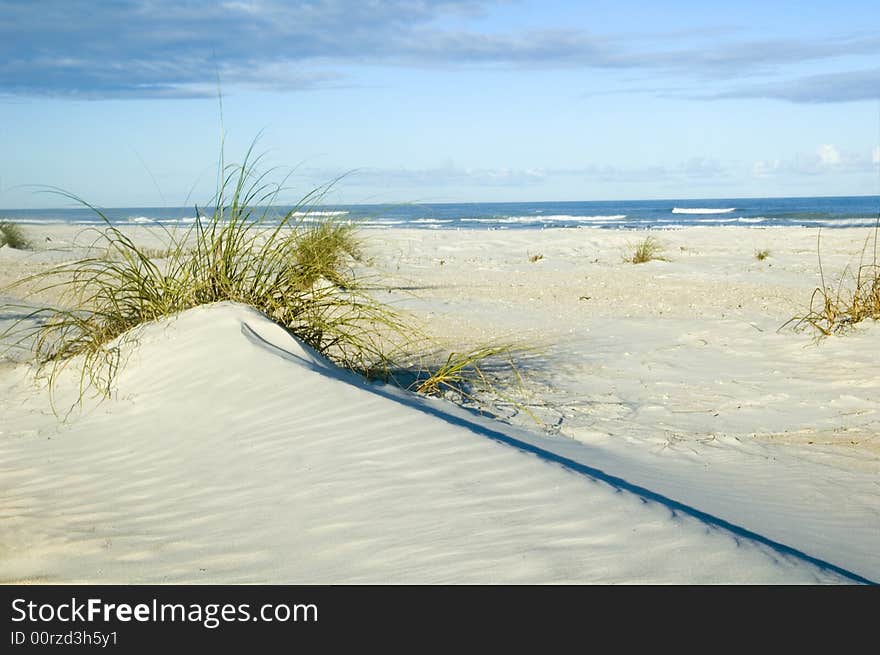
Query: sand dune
x=266 y=464
x=688 y=440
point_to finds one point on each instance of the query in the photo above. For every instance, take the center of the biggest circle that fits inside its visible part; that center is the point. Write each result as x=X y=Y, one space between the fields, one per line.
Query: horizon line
x=462 y=202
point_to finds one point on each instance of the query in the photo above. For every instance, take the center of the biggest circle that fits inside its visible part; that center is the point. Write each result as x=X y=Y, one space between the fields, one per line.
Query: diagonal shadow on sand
x=318 y=363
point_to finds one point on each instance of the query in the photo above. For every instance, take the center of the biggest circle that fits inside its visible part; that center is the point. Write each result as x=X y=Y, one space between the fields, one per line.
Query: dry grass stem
x=647 y=250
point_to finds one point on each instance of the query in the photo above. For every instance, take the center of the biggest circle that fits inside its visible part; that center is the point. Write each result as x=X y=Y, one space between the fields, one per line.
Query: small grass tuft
x=536 y=257
x=13 y=236
x=647 y=250
x=470 y=378
x=459 y=372
x=761 y=255
x=856 y=296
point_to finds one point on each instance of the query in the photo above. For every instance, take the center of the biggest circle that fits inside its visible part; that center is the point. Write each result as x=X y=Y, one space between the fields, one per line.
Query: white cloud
x=826 y=159
x=828 y=155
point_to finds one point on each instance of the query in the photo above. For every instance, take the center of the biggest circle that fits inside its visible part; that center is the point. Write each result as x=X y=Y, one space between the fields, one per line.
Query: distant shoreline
x=826 y=212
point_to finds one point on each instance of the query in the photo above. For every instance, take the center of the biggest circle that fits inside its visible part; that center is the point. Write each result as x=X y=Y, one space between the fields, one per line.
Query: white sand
x=698 y=444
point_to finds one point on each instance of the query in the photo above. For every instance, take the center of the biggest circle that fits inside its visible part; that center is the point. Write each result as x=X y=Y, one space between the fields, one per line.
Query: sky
x=135 y=103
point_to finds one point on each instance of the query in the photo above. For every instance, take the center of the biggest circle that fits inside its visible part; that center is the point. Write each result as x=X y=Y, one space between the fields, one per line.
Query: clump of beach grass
x=325 y=249
x=467 y=376
x=13 y=236
x=855 y=297
x=536 y=258
x=761 y=255
x=239 y=251
x=296 y=268
x=459 y=371
x=645 y=251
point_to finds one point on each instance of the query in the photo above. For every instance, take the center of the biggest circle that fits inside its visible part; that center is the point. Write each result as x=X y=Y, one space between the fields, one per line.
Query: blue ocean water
x=826 y=212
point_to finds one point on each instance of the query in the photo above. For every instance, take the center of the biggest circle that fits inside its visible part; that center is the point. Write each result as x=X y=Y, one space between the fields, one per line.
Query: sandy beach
x=684 y=434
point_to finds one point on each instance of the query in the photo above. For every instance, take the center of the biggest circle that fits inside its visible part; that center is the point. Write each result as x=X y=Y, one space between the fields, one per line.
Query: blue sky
x=448 y=101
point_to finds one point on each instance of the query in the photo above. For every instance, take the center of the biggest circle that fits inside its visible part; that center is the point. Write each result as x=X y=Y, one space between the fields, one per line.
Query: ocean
x=825 y=212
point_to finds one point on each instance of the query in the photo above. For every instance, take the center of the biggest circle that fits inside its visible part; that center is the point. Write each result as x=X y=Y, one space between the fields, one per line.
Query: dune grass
x=471 y=376
x=459 y=372
x=324 y=249
x=298 y=269
x=294 y=272
x=147 y=251
x=853 y=299
x=646 y=250
x=761 y=255
x=13 y=236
